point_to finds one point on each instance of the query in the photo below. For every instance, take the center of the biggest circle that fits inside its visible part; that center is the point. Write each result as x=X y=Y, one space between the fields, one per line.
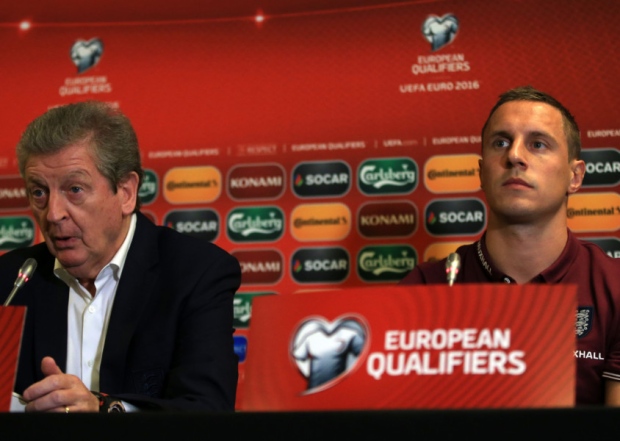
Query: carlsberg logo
x=16 y=232
x=148 y=189
x=255 y=224
x=388 y=176
x=385 y=263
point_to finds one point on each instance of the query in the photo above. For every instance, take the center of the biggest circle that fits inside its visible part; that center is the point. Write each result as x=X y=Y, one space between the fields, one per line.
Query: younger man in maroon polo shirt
x=530 y=164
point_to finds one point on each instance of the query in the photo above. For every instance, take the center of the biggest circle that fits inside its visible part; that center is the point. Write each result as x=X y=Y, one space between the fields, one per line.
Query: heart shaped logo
x=325 y=352
x=85 y=54
x=440 y=31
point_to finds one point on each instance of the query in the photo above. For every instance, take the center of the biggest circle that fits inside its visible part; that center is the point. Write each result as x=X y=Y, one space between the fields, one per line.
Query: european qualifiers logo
x=242 y=308
x=321 y=179
x=387 y=219
x=260 y=267
x=13 y=194
x=149 y=187
x=320 y=265
x=385 y=263
x=455 y=217
x=201 y=223
x=611 y=245
x=86 y=54
x=259 y=181
x=602 y=167
x=325 y=352
x=255 y=224
x=16 y=232
x=387 y=176
x=440 y=31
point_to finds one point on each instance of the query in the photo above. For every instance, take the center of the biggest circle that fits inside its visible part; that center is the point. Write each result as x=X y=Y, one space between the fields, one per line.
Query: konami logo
x=256 y=181
x=387 y=219
x=260 y=267
x=13 y=194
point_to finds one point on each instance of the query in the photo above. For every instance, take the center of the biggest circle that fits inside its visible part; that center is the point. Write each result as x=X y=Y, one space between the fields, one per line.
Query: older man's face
x=80 y=216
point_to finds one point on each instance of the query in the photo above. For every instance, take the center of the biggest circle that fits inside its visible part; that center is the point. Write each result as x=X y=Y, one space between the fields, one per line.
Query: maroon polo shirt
x=597 y=325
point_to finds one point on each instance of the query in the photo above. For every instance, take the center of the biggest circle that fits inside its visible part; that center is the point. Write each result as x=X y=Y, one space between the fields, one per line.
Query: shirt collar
x=553 y=274
x=494 y=274
x=558 y=269
x=116 y=264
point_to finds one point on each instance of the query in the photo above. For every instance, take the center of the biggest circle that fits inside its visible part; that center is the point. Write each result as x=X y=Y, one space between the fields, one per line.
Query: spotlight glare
x=25 y=25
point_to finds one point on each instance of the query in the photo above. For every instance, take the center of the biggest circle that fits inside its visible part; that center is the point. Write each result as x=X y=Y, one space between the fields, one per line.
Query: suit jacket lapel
x=50 y=333
x=134 y=289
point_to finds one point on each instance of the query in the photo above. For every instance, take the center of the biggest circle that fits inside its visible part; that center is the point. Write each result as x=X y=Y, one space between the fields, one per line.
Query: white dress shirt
x=88 y=316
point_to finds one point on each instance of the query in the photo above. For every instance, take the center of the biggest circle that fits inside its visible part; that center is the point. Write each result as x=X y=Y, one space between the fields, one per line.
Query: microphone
x=25 y=272
x=453 y=264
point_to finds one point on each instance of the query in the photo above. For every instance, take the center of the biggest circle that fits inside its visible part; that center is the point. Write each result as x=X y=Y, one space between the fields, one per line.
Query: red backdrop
x=292 y=123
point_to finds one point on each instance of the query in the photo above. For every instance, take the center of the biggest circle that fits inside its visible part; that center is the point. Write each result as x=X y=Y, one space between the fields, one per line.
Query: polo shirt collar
x=553 y=274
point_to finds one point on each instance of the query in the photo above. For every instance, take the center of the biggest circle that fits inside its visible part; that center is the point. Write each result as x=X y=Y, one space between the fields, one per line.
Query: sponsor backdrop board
x=324 y=150
x=466 y=346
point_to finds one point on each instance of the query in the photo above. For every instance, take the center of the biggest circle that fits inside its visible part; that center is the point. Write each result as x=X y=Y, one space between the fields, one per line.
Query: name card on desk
x=11 y=328
x=425 y=346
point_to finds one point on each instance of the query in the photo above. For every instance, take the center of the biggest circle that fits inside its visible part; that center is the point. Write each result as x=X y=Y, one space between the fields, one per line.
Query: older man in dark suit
x=121 y=313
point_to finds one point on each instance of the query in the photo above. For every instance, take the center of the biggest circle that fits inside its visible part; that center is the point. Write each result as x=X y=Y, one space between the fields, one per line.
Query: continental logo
x=260 y=267
x=455 y=217
x=204 y=224
x=13 y=194
x=16 y=232
x=602 y=167
x=255 y=224
x=259 y=181
x=385 y=263
x=387 y=219
x=148 y=188
x=440 y=250
x=320 y=265
x=242 y=308
x=186 y=185
x=387 y=176
x=321 y=179
x=452 y=174
x=611 y=245
x=594 y=212
x=312 y=222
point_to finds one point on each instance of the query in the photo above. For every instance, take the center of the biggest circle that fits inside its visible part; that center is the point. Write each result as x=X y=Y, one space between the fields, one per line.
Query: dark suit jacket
x=169 y=343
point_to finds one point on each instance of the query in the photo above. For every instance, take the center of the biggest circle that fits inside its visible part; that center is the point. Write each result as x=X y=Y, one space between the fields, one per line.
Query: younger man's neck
x=524 y=251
